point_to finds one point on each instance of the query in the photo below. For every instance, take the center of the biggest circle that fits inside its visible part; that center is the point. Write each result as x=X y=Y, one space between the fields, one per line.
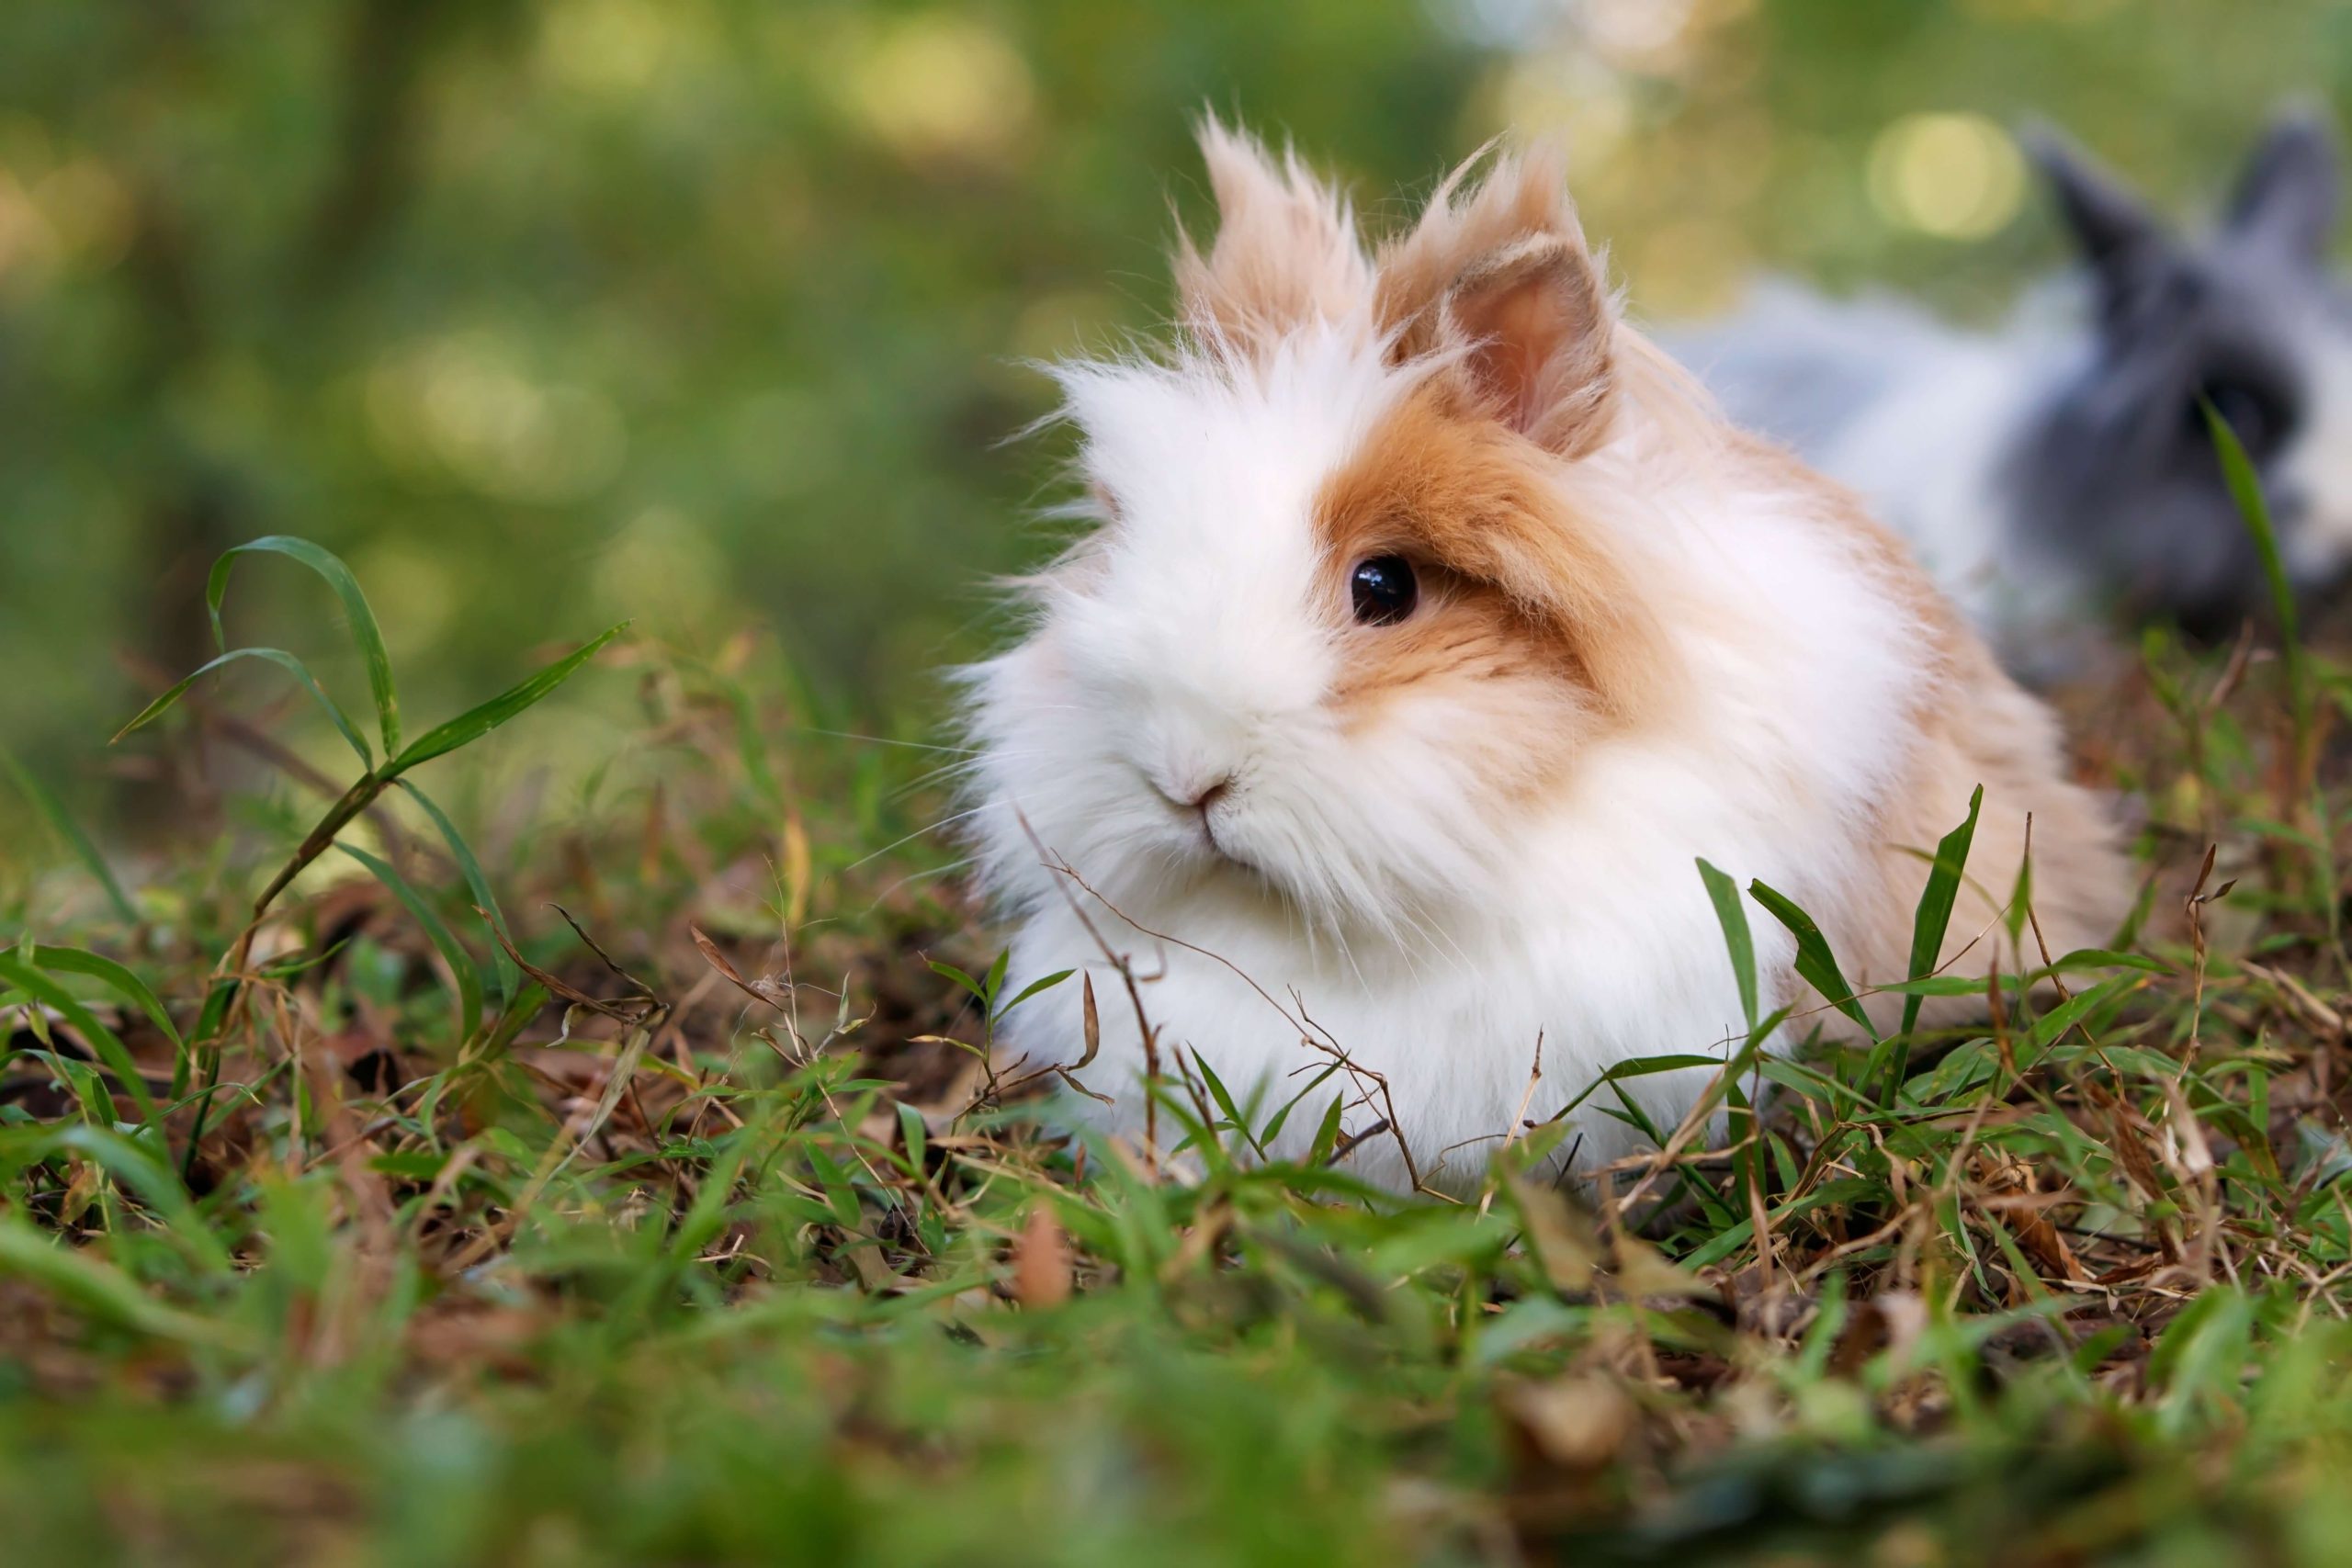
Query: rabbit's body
x=1429 y=841
x=1923 y=419
x=2059 y=468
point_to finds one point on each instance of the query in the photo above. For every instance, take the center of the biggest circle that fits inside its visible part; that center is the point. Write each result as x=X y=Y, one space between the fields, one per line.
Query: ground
x=626 y=1182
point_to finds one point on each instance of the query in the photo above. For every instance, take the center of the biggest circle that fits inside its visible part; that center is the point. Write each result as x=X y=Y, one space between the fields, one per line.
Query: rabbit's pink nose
x=1197 y=795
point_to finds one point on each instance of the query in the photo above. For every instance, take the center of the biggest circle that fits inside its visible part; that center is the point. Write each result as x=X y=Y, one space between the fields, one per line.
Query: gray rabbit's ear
x=2112 y=227
x=2289 y=193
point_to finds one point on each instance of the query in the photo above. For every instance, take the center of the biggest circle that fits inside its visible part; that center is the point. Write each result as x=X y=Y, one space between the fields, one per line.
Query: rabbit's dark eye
x=2258 y=416
x=1383 y=590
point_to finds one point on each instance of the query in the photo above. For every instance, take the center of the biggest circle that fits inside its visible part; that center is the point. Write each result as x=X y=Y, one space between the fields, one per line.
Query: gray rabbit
x=2059 y=470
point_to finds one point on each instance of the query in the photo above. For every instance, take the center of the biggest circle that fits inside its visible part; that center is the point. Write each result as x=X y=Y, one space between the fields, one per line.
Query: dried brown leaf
x=1042 y=1264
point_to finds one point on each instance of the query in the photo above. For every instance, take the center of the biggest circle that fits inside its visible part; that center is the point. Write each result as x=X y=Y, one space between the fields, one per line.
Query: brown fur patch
x=1537 y=332
x=1500 y=271
x=1516 y=586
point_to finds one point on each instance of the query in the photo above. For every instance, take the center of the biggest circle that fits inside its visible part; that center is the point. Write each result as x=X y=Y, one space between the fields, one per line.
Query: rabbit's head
x=1345 y=609
x=2118 y=463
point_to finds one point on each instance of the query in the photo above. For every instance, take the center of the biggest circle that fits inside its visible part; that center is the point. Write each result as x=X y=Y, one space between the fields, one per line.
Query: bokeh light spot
x=1646 y=35
x=27 y=244
x=1571 y=96
x=1689 y=267
x=2043 y=10
x=1071 y=322
x=89 y=211
x=461 y=404
x=937 y=85
x=614 y=48
x=1958 y=177
x=412 y=588
x=664 y=566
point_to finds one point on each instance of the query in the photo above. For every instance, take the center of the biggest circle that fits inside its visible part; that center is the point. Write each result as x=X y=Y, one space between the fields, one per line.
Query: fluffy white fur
x=1390 y=914
x=1360 y=887
x=1920 y=419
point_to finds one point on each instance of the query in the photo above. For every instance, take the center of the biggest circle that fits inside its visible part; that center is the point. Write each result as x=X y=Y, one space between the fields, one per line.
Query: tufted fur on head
x=1434 y=626
x=1286 y=251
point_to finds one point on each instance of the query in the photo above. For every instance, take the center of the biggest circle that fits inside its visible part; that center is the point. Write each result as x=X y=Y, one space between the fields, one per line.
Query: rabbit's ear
x=2114 y=230
x=1286 y=252
x=2288 y=193
x=1497 y=276
x=1535 y=322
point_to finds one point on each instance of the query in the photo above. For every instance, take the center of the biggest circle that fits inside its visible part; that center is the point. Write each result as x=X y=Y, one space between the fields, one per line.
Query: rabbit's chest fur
x=1609 y=951
x=1591 y=929
x=1451 y=1028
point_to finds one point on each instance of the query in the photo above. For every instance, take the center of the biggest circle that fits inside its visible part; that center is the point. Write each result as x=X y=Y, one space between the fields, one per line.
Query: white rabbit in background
x=1433 y=625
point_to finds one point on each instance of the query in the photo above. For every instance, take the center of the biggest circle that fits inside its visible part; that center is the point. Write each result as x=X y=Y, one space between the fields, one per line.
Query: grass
x=626 y=1184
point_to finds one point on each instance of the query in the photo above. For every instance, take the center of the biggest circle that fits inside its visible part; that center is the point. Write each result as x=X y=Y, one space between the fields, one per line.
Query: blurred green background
x=714 y=312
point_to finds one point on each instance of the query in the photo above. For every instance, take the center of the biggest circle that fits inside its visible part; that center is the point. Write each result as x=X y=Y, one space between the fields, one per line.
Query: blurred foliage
x=709 y=311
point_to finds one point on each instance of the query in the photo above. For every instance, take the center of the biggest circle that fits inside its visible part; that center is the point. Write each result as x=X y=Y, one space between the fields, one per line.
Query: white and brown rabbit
x=1433 y=625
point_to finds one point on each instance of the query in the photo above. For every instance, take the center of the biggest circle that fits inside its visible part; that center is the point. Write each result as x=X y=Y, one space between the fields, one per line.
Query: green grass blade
x=61 y=821
x=1638 y=1067
x=1933 y=985
x=508 y=975
x=284 y=661
x=2245 y=488
x=363 y=630
x=2104 y=958
x=1739 y=1122
x=104 y=1041
x=1815 y=964
x=2200 y=1357
x=205 y=1040
x=2020 y=900
x=1738 y=941
x=1043 y=983
x=98 y=1288
x=437 y=930
x=74 y=961
x=474 y=723
x=2047 y=1029
x=141 y=1165
x=947 y=971
x=911 y=1131
x=1273 y=1127
x=1933 y=918
x=1327 y=1132
x=1225 y=1102
x=87 y=1082
x=2303 y=692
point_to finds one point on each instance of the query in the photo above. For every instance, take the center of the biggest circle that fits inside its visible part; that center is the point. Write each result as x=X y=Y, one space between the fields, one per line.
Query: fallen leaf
x=1041 y=1262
